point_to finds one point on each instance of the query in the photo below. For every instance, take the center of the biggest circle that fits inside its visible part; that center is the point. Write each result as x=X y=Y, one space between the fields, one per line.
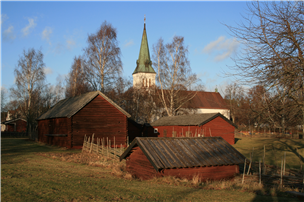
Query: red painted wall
x=101 y=118
x=20 y=126
x=54 y=126
x=215 y=127
x=134 y=130
x=139 y=166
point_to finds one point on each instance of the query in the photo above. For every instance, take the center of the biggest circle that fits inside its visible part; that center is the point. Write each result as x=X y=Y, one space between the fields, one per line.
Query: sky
x=60 y=31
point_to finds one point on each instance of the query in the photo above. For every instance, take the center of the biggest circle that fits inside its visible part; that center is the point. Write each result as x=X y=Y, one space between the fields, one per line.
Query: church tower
x=144 y=74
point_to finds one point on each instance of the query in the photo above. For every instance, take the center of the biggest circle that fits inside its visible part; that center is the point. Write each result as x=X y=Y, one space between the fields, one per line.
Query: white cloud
x=70 y=44
x=48 y=70
x=46 y=34
x=129 y=43
x=213 y=45
x=26 y=30
x=3 y=18
x=222 y=47
x=8 y=34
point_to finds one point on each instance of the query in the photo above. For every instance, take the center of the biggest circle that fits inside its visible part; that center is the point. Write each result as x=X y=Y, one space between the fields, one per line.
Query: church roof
x=207 y=100
x=144 y=63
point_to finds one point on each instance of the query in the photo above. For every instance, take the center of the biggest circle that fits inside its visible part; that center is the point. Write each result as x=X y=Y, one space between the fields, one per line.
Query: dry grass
x=57 y=175
x=196 y=180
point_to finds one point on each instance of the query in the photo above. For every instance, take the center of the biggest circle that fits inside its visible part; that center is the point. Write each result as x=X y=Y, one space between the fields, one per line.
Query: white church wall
x=147 y=78
x=225 y=112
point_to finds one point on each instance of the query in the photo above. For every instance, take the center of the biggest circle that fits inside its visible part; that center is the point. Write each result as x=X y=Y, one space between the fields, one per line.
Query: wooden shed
x=211 y=158
x=15 y=125
x=71 y=119
x=193 y=125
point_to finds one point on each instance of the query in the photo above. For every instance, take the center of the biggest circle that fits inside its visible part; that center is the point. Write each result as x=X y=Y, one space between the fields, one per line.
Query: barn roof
x=189 y=120
x=13 y=120
x=164 y=153
x=70 y=106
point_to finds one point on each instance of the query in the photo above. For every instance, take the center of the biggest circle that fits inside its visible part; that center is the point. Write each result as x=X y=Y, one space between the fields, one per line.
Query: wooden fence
x=103 y=146
x=271 y=175
x=238 y=134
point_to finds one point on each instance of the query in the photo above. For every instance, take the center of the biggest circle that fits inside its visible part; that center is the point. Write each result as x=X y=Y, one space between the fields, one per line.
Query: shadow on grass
x=294 y=149
x=277 y=196
x=236 y=139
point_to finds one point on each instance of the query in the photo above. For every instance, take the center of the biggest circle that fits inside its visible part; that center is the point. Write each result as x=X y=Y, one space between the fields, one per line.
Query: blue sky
x=60 y=30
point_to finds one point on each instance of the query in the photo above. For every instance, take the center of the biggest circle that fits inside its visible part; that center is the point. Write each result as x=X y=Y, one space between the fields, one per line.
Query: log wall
x=54 y=126
x=134 y=130
x=20 y=126
x=101 y=118
x=216 y=127
x=139 y=166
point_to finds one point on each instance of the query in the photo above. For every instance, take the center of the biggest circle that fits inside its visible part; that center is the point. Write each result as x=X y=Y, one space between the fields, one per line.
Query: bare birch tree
x=273 y=37
x=76 y=83
x=103 y=63
x=29 y=81
x=174 y=74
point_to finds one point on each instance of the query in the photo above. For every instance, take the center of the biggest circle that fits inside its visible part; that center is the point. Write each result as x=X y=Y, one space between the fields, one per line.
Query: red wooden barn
x=15 y=125
x=208 y=157
x=71 y=119
x=193 y=125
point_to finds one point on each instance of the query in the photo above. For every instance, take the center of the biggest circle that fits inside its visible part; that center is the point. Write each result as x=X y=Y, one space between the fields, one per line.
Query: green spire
x=144 y=63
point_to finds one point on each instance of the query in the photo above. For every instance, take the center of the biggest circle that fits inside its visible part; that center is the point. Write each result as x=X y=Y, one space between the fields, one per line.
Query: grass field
x=26 y=175
x=274 y=150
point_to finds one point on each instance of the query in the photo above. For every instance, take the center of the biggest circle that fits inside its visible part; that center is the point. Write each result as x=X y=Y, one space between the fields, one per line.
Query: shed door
x=165 y=133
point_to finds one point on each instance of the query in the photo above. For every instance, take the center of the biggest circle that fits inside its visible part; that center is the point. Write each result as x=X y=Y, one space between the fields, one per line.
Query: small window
x=155 y=130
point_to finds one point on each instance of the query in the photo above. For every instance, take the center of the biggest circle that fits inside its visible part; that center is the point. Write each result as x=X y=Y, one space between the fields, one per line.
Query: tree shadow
x=236 y=139
x=294 y=149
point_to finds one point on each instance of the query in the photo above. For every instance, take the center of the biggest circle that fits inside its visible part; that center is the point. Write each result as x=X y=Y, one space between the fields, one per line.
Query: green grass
x=274 y=150
x=27 y=176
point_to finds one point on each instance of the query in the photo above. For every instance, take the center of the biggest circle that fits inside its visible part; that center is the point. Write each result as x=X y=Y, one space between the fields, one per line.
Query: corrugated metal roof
x=189 y=120
x=70 y=106
x=164 y=153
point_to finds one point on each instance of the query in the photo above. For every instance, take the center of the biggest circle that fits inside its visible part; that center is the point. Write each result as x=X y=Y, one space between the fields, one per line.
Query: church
x=144 y=77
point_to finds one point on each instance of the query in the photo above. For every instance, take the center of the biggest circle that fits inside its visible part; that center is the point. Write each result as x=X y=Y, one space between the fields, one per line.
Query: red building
x=71 y=119
x=194 y=125
x=211 y=158
x=15 y=125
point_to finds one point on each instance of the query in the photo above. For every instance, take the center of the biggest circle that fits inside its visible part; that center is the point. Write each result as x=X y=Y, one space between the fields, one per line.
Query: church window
x=149 y=82
x=143 y=83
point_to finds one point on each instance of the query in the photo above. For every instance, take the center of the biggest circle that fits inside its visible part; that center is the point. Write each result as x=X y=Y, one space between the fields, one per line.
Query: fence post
x=244 y=171
x=92 y=143
x=260 y=172
x=264 y=167
x=281 y=183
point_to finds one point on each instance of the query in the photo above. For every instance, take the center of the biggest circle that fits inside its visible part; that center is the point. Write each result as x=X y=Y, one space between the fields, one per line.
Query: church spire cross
x=145 y=22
